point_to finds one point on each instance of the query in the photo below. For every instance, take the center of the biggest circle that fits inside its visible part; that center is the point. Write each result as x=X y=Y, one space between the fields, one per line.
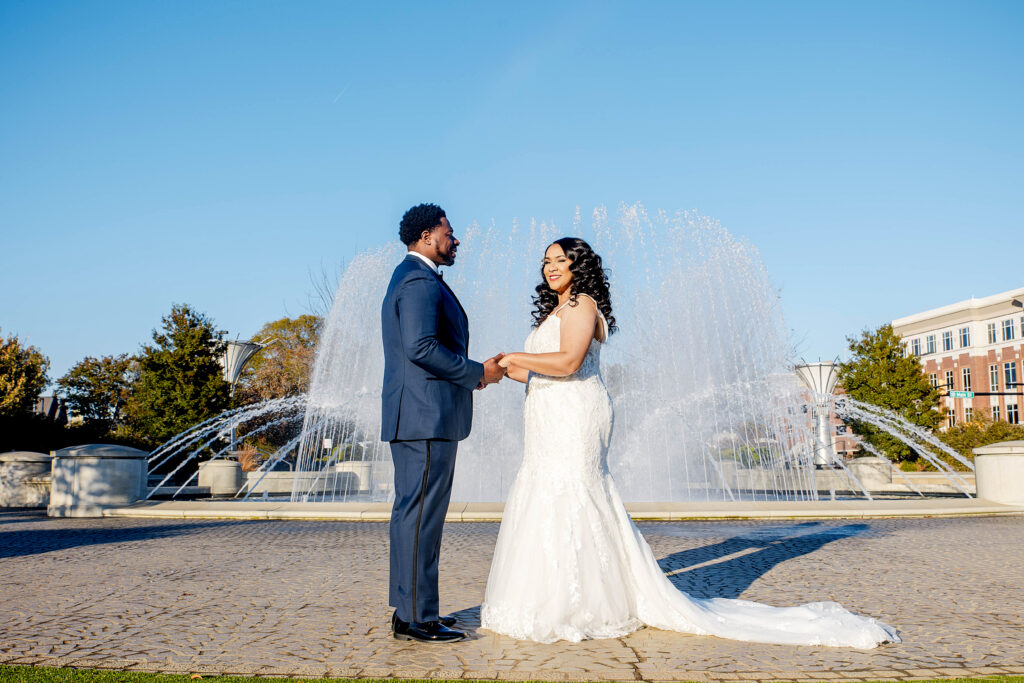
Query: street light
x=236 y=355
x=820 y=378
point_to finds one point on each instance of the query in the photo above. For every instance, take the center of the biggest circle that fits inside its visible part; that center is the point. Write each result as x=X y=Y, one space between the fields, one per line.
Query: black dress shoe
x=424 y=632
x=445 y=621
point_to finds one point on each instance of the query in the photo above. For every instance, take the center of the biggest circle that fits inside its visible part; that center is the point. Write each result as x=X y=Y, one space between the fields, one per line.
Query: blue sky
x=215 y=153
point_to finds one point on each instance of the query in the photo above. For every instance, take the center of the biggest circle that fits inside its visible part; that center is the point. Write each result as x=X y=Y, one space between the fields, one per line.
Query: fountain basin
x=999 y=468
x=349 y=477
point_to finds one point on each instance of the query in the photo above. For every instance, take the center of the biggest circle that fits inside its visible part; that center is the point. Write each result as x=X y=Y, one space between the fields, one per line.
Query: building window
x=965 y=337
x=995 y=413
x=968 y=414
x=930 y=347
x=947 y=340
x=915 y=347
x=1007 y=329
x=950 y=418
x=949 y=379
x=1009 y=377
x=934 y=380
x=1022 y=327
x=993 y=378
x=1012 y=416
x=966 y=375
x=992 y=333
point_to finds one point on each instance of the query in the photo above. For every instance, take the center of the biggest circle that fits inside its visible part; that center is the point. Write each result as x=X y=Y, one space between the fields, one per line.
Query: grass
x=43 y=674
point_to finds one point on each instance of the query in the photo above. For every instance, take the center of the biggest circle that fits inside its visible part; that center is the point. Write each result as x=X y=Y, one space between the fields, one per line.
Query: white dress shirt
x=433 y=266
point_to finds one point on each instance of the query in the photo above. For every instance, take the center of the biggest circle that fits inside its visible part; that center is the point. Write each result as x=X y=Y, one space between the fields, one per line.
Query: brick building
x=973 y=352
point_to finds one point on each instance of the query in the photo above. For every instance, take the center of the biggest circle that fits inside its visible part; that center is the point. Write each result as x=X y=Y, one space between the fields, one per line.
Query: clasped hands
x=493 y=371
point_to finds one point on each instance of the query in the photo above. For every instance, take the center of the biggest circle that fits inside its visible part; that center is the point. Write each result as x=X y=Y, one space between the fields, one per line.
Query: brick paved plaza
x=309 y=598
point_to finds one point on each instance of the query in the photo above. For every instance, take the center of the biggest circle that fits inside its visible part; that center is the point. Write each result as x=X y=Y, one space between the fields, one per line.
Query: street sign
x=962 y=394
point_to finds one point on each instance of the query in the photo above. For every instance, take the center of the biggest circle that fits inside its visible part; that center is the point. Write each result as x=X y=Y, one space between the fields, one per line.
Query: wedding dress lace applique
x=570 y=564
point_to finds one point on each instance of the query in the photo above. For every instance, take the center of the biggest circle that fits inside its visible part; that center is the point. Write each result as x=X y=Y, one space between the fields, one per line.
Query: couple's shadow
x=726 y=569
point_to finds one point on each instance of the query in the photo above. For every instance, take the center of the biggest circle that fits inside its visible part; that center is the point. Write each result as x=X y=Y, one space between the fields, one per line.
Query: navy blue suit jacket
x=428 y=376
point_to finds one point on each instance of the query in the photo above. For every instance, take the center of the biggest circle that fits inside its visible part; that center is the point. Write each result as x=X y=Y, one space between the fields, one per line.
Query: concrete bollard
x=23 y=476
x=87 y=479
x=222 y=477
x=999 y=468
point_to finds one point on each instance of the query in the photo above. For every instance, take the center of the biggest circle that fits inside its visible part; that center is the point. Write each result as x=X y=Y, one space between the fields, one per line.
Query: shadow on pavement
x=758 y=552
x=22 y=542
x=22 y=515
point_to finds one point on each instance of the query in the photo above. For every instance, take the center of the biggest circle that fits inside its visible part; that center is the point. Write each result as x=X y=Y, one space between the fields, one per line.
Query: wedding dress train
x=570 y=564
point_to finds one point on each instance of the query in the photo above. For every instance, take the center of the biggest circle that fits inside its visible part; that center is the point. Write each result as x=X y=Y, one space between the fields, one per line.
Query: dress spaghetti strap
x=604 y=322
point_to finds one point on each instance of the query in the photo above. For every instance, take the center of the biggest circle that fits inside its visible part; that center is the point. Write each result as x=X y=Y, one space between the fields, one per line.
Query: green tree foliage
x=879 y=372
x=180 y=377
x=98 y=388
x=981 y=431
x=282 y=368
x=23 y=376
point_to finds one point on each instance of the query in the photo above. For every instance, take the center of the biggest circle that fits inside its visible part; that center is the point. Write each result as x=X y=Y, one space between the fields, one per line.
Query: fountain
x=706 y=404
x=698 y=373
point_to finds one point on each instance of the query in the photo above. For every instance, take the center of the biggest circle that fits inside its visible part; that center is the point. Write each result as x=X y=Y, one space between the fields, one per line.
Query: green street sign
x=962 y=394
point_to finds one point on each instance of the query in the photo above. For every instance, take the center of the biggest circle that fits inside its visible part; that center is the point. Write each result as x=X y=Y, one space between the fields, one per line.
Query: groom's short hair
x=417 y=219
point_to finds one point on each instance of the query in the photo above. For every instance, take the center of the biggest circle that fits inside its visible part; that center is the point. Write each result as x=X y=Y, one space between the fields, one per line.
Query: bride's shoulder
x=584 y=304
x=587 y=300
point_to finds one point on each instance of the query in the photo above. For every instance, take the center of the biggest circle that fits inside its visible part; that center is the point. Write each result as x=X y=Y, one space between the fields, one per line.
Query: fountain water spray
x=698 y=374
x=706 y=406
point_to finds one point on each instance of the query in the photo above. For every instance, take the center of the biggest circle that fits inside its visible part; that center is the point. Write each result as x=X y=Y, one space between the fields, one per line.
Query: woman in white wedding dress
x=569 y=563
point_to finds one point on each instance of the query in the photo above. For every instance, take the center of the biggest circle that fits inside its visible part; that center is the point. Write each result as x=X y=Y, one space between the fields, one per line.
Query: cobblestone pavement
x=309 y=599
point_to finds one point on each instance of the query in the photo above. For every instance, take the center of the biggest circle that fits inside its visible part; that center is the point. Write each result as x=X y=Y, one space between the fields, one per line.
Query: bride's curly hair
x=588 y=277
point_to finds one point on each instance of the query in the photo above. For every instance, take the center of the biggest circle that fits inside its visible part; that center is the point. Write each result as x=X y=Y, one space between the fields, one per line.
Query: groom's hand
x=492 y=371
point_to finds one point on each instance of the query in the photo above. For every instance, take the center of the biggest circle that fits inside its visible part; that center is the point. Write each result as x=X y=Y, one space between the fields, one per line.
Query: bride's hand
x=508 y=360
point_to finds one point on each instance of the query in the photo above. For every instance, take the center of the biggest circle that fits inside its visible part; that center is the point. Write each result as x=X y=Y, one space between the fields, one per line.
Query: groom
x=427 y=408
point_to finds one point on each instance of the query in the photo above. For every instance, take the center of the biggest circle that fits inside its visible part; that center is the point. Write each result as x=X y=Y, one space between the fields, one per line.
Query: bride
x=569 y=563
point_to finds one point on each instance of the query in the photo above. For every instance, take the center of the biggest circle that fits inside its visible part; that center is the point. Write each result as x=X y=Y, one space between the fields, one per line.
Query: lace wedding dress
x=569 y=563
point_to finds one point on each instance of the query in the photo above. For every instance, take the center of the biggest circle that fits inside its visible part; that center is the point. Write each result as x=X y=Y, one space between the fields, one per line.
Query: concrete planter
x=20 y=475
x=999 y=468
x=222 y=477
x=88 y=479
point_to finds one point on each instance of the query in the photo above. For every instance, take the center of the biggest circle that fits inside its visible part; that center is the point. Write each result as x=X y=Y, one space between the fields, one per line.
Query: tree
x=180 y=381
x=981 y=431
x=283 y=368
x=98 y=388
x=23 y=376
x=880 y=372
x=280 y=370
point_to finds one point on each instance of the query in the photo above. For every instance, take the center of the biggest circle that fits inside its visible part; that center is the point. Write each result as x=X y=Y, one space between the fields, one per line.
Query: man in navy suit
x=427 y=408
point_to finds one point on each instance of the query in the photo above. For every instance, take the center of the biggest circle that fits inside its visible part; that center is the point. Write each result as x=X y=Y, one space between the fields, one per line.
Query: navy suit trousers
x=423 y=488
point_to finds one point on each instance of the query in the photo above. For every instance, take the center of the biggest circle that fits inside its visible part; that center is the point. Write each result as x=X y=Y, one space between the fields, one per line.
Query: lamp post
x=236 y=355
x=820 y=378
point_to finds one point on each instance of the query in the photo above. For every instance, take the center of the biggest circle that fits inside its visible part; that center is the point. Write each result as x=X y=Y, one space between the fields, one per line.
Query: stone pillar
x=88 y=479
x=999 y=469
x=24 y=479
x=222 y=477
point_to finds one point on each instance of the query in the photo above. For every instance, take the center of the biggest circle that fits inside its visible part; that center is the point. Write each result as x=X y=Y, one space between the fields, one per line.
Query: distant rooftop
x=967 y=305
